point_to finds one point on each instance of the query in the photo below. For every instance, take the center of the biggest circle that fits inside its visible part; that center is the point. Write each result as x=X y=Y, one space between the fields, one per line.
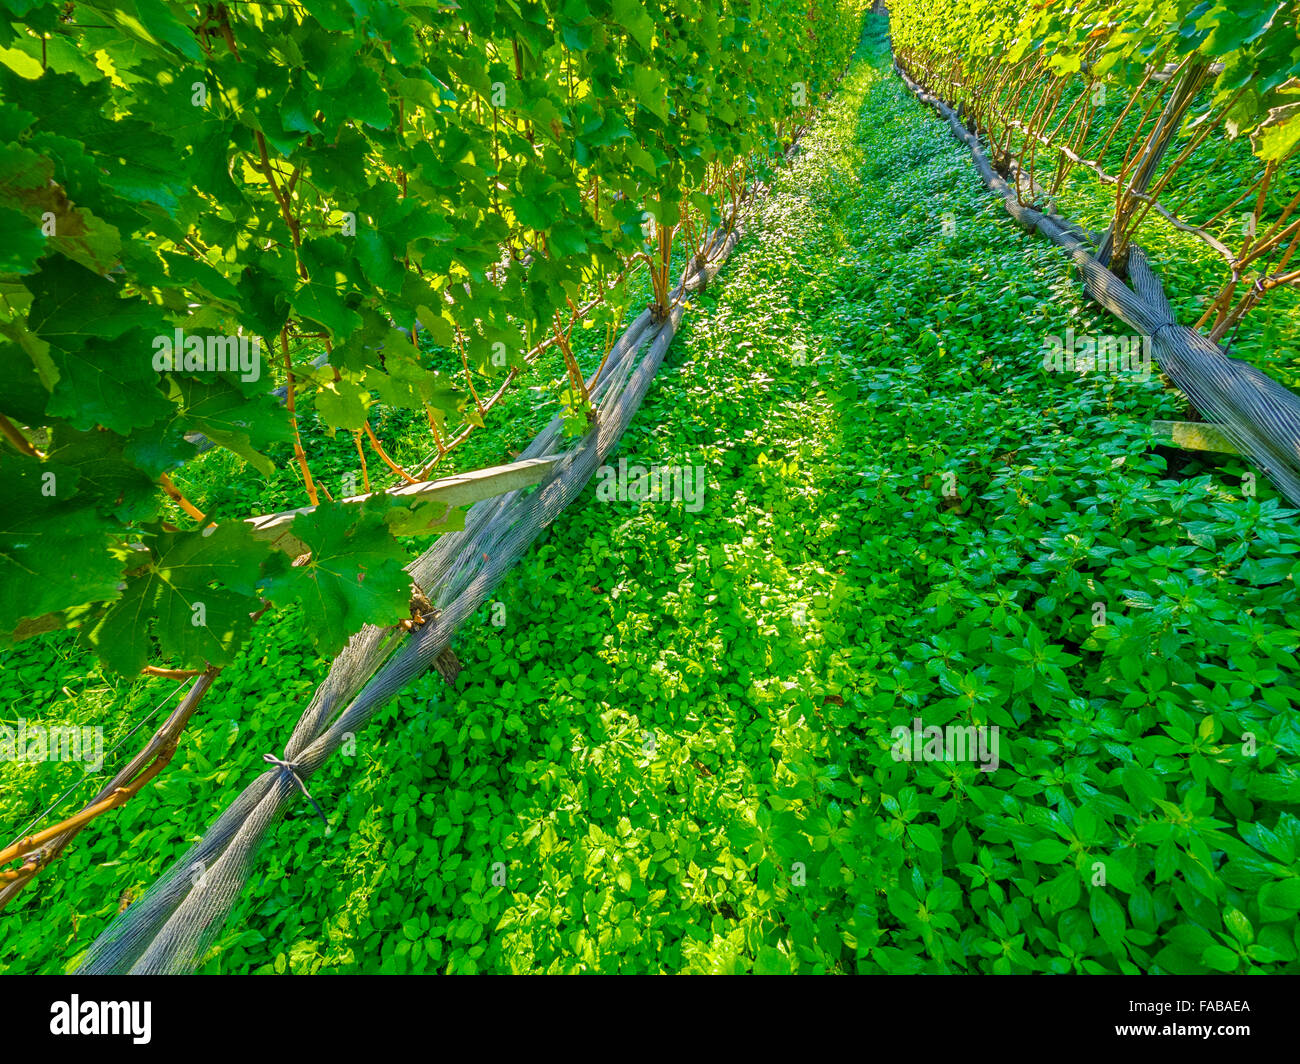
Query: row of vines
x=367 y=204
x=223 y=219
x=1145 y=99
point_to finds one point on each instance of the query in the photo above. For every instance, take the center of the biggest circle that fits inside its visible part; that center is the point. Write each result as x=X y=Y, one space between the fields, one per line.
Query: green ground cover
x=675 y=754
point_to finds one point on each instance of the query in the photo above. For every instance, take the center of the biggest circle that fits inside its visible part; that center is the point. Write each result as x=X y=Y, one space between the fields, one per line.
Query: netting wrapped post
x=170 y=927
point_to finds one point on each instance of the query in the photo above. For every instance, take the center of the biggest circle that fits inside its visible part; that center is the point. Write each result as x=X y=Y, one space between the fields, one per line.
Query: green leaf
x=1278 y=136
x=1220 y=958
x=218 y=407
x=72 y=305
x=1280 y=900
x=342 y=404
x=1108 y=919
x=926 y=837
x=1052 y=851
x=195 y=592
x=632 y=16
x=55 y=551
x=110 y=383
x=355 y=575
x=1240 y=927
x=22 y=64
x=23 y=244
x=771 y=961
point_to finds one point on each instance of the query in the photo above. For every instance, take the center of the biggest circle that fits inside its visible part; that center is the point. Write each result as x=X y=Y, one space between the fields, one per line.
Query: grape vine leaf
x=195 y=621
x=354 y=577
x=216 y=407
x=54 y=550
x=110 y=383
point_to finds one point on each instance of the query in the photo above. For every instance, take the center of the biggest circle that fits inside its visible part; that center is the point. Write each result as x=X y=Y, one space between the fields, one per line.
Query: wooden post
x=453 y=491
